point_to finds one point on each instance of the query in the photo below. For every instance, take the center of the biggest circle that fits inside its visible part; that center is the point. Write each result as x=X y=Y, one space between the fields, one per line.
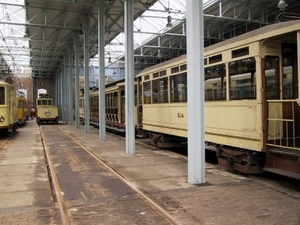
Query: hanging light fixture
x=282 y=5
x=26 y=34
x=80 y=34
x=169 y=20
x=159 y=55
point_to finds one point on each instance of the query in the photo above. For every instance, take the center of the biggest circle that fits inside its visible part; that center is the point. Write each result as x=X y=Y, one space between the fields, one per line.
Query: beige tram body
x=47 y=112
x=114 y=107
x=251 y=100
x=8 y=108
x=22 y=110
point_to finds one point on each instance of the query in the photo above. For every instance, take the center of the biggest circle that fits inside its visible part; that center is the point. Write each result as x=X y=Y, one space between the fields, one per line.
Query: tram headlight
x=47 y=113
x=2 y=119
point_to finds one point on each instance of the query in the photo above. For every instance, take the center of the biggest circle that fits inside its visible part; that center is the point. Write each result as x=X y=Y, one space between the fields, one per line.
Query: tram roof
x=40 y=34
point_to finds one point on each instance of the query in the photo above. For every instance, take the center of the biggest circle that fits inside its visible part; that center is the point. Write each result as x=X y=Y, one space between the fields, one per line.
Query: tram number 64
x=180 y=115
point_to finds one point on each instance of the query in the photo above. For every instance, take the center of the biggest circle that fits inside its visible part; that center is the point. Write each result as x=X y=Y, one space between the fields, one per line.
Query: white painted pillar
x=65 y=86
x=86 y=75
x=77 y=119
x=129 y=78
x=101 y=33
x=70 y=89
x=195 y=66
x=298 y=63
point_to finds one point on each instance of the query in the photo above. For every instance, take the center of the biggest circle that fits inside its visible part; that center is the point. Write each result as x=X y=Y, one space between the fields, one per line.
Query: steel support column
x=86 y=75
x=64 y=91
x=59 y=93
x=129 y=78
x=298 y=62
x=70 y=89
x=195 y=78
x=101 y=33
x=77 y=119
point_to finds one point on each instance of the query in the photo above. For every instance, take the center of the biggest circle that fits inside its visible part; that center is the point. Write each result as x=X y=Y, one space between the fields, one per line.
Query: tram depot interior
x=42 y=40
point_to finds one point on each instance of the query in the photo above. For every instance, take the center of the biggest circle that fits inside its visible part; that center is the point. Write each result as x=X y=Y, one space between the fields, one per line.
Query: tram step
x=283 y=173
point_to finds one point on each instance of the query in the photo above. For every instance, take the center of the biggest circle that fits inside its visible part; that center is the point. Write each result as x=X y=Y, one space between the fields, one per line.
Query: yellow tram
x=251 y=86
x=22 y=109
x=251 y=100
x=8 y=108
x=47 y=112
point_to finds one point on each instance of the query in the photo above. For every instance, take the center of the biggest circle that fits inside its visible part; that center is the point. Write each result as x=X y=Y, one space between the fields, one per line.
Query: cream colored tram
x=251 y=100
x=114 y=108
x=47 y=112
x=22 y=110
x=8 y=109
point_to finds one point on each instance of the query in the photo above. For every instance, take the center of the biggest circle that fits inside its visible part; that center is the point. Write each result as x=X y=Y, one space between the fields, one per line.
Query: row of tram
x=252 y=114
x=13 y=108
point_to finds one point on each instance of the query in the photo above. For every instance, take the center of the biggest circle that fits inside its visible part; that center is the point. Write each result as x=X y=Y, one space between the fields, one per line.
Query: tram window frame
x=2 y=95
x=147 y=92
x=290 y=78
x=272 y=90
x=160 y=90
x=178 y=88
x=242 y=79
x=214 y=93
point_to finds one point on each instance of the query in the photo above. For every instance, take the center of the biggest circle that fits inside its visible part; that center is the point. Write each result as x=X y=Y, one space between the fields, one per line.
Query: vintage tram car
x=46 y=111
x=22 y=109
x=8 y=108
x=251 y=100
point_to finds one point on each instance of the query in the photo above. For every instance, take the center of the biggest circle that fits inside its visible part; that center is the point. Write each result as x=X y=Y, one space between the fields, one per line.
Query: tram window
x=2 y=95
x=160 y=90
x=272 y=77
x=243 y=79
x=290 y=80
x=183 y=67
x=147 y=92
x=178 y=89
x=215 y=83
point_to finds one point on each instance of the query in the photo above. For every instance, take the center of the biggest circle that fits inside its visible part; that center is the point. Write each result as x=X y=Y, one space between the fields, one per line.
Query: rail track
x=4 y=140
x=58 y=196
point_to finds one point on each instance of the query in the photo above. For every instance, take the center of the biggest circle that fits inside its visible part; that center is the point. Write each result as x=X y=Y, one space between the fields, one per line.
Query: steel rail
x=58 y=193
x=152 y=204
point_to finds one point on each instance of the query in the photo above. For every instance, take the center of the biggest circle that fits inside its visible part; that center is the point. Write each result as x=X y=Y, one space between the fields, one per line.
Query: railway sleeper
x=240 y=160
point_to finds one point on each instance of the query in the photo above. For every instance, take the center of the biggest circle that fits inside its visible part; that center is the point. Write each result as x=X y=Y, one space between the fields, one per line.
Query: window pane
x=160 y=90
x=215 y=83
x=178 y=88
x=2 y=95
x=272 y=77
x=147 y=92
x=243 y=79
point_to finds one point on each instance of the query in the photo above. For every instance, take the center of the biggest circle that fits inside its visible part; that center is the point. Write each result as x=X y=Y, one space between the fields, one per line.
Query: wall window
x=242 y=79
x=215 y=83
x=178 y=89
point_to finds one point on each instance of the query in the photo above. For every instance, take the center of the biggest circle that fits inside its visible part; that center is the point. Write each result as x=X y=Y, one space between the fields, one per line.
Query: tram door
x=282 y=93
